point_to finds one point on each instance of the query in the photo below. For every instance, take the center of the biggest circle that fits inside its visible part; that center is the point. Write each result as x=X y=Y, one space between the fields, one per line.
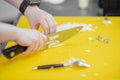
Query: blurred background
x=9 y=13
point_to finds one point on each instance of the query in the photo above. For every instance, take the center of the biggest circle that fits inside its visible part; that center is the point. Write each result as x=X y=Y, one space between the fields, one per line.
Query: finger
x=43 y=37
x=45 y=27
x=54 y=24
x=29 y=50
x=50 y=24
x=41 y=44
x=42 y=41
x=37 y=44
x=35 y=26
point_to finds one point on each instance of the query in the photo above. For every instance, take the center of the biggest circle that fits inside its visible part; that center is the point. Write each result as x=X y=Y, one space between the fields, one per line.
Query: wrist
x=29 y=10
x=27 y=3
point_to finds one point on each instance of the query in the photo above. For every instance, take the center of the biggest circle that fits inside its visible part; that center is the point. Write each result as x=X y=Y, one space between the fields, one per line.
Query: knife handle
x=49 y=66
x=13 y=51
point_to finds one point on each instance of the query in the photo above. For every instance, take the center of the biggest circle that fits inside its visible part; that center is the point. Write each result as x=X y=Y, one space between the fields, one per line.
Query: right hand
x=32 y=39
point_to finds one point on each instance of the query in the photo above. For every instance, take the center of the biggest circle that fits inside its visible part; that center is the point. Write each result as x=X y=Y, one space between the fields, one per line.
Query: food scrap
x=84 y=75
x=100 y=38
x=105 y=40
x=54 y=37
x=106 y=20
x=86 y=27
x=87 y=51
x=54 y=43
x=90 y=38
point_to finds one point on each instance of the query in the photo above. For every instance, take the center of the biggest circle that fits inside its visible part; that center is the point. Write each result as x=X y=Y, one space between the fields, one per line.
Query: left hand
x=38 y=16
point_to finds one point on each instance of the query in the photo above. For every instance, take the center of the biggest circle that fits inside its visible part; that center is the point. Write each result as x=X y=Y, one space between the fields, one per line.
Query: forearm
x=15 y=3
x=7 y=32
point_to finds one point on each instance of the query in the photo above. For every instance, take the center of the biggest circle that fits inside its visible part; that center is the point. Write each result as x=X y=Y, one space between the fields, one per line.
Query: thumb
x=35 y=26
x=44 y=37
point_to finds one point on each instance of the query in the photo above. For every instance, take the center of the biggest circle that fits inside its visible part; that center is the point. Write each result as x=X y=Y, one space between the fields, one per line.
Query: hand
x=32 y=39
x=37 y=16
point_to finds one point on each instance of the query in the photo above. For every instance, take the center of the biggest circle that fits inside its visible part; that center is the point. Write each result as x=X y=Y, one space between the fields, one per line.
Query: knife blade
x=58 y=36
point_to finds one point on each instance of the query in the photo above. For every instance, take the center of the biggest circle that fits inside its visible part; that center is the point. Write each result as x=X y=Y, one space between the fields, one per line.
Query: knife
x=59 y=36
x=72 y=61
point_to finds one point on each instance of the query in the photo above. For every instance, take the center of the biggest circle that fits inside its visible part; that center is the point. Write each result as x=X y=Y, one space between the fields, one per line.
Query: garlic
x=54 y=37
x=106 y=40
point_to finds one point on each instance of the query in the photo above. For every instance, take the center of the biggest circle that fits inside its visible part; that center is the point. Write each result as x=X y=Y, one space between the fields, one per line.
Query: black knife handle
x=13 y=51
x=49 y=66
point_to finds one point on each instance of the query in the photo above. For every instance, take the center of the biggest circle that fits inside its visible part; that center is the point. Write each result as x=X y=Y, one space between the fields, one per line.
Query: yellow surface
x=104 y=58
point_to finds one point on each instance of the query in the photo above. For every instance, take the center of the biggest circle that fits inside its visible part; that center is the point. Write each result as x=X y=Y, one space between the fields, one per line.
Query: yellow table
x=104 y=58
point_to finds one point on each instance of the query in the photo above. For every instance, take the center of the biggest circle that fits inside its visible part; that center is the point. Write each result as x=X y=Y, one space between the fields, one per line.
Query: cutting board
x=103 y=57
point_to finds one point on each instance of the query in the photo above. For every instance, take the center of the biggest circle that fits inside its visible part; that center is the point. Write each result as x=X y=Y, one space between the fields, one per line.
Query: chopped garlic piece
x=55 y=43
x=99 y=38
x=107 y=22
x=87 y=51
x=106 y=40
x=90 y=38
x=49 y=42
x=84 y=75
x=67 y=68
x=90 y=25
x=54 y=37
x=58 y=45
x=86 y=27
